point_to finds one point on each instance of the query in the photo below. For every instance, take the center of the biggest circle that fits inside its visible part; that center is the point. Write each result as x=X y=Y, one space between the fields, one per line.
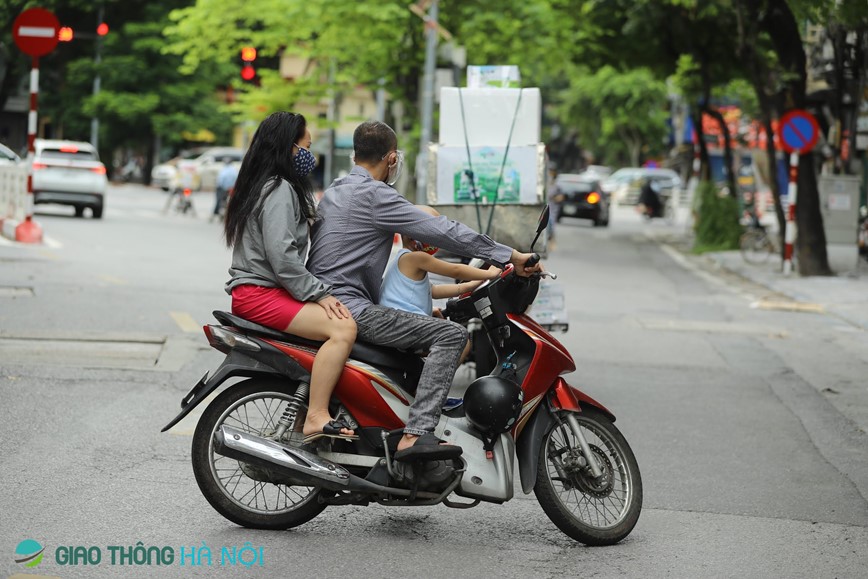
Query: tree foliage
x=617 y=112
x=144 y=98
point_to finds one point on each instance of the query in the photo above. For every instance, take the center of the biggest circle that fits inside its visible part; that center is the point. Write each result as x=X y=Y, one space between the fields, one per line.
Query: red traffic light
x=102 y=29
x=248 y=54
x=248 y=72
x=65 y=34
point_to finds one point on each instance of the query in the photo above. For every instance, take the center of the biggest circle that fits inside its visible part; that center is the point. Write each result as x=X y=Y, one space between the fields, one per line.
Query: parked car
x=625 y=184
x=581 y=196
x=200 y=173
x=69 y=173
x=7 y=155
x=599 y=171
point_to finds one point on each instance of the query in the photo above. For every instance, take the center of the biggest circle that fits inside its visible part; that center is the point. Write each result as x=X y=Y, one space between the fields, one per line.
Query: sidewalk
x=844 y=296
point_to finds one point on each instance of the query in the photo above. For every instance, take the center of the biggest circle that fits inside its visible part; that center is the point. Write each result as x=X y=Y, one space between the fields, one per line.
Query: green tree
x=617 y=112
x=145 y=102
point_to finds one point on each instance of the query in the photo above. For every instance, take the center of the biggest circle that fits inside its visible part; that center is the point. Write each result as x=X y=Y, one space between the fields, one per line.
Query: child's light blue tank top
x=402 y=293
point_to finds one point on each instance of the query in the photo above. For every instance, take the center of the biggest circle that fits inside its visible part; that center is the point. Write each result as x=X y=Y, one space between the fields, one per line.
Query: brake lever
x=547 y=274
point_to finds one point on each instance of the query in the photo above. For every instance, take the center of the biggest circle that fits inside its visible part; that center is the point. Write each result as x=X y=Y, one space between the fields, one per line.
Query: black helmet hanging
x=492 y=405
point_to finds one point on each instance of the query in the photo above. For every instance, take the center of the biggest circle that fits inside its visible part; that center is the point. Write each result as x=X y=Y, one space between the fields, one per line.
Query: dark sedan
x=582 y=197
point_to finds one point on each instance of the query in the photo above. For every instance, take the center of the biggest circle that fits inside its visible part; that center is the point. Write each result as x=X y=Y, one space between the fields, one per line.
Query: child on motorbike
x=406 y=285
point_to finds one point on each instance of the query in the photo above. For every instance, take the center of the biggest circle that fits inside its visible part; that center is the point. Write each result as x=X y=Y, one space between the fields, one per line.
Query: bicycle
x=755 y=243
x=183 y=202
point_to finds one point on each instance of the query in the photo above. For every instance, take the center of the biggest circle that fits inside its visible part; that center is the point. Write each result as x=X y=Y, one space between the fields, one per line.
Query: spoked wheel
x=594 y=511
x=246 y=494
x=756 y=246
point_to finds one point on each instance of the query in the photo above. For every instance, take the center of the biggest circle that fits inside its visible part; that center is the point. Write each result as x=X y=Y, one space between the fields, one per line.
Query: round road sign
x=35 y=31
x=798 y=131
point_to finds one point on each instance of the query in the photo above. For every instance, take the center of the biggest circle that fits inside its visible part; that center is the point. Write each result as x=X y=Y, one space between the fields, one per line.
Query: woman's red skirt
x=269 y=306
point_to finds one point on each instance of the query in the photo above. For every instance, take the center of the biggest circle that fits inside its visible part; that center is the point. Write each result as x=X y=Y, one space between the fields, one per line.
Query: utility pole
x=97 y=58
x=331 y=115
x=427 y=101
x=381 y=100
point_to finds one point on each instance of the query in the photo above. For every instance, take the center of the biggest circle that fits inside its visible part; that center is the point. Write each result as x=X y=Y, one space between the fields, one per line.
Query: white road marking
x=51 y=242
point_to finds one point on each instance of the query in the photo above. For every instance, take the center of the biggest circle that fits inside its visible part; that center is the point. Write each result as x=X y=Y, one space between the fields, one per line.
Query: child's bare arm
x=453 y=290
x=431 y=264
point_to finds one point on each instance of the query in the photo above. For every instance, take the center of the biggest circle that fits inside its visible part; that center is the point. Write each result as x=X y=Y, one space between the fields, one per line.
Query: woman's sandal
x=332 y=429
x=428 y=447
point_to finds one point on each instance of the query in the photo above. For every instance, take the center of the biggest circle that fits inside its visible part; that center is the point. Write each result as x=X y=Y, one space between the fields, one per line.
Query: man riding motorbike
x=650 y=204
x=350 y=245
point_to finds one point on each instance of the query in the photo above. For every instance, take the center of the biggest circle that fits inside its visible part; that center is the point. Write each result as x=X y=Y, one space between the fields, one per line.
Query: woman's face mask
x=304 y=162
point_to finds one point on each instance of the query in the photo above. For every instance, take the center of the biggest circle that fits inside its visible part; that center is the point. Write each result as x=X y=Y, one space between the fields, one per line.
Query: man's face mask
x=396 y=169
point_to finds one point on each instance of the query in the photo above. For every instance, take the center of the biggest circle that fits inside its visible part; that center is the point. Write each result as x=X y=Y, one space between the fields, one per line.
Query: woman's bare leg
x=339 y=335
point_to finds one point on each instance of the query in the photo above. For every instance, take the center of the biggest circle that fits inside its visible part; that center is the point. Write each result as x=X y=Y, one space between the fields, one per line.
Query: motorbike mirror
x=543 y=220
x=543 y=223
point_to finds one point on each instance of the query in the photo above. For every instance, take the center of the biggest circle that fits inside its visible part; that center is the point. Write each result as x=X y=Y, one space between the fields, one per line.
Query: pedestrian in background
x=554 y=199
x=225 y=185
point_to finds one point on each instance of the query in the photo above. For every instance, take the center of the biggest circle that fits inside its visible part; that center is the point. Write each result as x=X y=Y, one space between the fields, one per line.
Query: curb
x=790 y=302
x=30 y=230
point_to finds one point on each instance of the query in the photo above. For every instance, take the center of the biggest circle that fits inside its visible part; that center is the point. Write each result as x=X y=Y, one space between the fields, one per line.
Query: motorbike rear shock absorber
x=290 y=413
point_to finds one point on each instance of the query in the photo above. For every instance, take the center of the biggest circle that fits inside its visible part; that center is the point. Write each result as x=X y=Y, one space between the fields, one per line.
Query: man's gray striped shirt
x=352 y=237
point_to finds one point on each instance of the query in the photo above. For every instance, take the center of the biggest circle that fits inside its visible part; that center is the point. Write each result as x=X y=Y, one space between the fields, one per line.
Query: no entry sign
x=798 y=131
x=35 y=31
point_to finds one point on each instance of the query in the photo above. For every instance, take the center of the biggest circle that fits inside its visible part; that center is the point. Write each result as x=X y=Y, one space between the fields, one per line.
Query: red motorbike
x=252 y=465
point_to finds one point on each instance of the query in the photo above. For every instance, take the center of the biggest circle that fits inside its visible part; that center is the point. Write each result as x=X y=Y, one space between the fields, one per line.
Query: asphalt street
x=754 y=463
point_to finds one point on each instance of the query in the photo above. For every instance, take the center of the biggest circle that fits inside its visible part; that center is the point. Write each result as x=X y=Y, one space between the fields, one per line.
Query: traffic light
x=102 y=29
x=248 y=57
x=65 y=34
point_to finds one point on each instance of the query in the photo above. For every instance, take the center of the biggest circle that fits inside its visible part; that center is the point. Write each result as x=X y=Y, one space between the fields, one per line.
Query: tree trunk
x=747 y=17
x=773 y=172
x=727 y=148
x=704 y=163
x=635 y=151
x=781 y=25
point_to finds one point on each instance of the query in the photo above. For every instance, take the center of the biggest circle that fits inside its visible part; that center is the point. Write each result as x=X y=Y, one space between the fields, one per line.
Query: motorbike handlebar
x=534 y=259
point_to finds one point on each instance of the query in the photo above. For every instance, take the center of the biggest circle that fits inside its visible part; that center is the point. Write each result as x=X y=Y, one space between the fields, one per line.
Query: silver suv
x=69 y=173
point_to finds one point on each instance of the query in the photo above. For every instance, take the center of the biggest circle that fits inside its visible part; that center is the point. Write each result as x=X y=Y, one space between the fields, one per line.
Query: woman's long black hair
x=268 y=160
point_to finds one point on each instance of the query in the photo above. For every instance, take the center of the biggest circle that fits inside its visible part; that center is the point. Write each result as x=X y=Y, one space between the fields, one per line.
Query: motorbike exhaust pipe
x=294 y=462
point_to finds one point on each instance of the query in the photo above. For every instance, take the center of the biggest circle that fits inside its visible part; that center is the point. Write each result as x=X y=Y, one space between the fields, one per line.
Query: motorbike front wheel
x=594 y=511
x=245 y=494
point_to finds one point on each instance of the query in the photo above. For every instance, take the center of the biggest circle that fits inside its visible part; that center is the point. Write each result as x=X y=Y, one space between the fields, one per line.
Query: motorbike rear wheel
x=599 y=511
x=247 y=495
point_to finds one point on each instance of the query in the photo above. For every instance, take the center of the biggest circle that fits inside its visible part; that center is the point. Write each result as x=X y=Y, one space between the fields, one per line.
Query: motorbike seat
x=377 y=356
